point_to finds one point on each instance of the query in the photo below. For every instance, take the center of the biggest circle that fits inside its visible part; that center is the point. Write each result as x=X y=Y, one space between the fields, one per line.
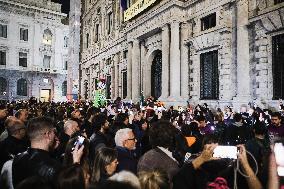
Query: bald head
x=16 y=128
x=70 y=127
x=10 y=121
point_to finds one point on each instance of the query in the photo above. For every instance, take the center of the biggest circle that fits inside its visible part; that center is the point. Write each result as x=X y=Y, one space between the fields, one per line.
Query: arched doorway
x=156 y=75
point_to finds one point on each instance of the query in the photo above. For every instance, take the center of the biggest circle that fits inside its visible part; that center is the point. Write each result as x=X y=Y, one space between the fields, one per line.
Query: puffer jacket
x=34 y=162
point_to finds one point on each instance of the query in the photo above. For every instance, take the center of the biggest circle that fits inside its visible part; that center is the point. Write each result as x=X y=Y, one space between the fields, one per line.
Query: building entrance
x=45 y=95
x=156 y=75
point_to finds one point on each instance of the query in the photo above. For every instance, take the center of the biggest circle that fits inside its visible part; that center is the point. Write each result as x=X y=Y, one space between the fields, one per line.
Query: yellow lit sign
x=137 y=8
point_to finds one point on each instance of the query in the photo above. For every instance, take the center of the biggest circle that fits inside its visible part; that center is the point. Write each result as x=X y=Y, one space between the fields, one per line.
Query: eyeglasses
x=132 y=139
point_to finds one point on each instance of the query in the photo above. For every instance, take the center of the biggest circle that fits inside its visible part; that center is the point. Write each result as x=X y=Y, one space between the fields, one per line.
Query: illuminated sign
x=137 y=8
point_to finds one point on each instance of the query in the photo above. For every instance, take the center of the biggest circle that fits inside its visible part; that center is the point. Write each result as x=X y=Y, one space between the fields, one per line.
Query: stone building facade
x=74 y=50
x=222 y=52
x=33 y=50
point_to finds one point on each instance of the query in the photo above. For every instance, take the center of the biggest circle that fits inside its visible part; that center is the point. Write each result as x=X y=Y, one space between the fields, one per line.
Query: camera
x=229 y=152
x=80 y=140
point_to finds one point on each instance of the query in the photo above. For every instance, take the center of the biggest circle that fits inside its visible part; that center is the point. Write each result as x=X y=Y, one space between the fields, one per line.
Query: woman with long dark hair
x=105 y=164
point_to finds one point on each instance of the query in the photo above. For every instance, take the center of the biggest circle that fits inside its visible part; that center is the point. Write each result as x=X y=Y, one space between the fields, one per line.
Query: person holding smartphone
x=206 y=170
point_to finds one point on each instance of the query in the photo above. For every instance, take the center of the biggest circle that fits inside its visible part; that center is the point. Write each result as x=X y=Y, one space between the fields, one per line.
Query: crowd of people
x=70 y=145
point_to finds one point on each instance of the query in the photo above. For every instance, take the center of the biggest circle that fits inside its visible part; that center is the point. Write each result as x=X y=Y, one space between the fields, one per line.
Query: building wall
x=17 y=14
x=242 y=36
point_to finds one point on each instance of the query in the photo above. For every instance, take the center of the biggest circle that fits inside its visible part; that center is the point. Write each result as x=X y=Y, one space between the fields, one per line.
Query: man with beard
x=36 y=161
x=276 y=128
x=101 y=137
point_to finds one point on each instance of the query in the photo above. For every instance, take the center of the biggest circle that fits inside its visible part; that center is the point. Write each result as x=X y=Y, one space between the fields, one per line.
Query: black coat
x=88 y=127
x=34 y=162
x=126 y=160
x=235 y=134
x=11 y=147
x=100 y=140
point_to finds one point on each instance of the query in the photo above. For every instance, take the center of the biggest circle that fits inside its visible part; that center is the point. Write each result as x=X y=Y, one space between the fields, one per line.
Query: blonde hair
x=156 y=179
x=128 y=177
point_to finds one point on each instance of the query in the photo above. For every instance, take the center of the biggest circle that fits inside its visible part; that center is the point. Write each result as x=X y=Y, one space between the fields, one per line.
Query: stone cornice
x=30 y=8
x=47 y=4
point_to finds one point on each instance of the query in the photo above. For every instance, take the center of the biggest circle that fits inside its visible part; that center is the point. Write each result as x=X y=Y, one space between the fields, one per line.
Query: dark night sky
x=65 y=5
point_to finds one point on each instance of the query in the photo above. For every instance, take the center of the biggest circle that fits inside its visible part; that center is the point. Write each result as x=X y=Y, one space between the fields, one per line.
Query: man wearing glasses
x=125 y=145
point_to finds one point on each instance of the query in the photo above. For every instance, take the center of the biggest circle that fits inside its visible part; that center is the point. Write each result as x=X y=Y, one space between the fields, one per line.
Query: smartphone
x=229 y=152
x=279 y=157
x=80 y=140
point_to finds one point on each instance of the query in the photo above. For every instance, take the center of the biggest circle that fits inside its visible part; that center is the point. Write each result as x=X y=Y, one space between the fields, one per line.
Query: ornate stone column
x=184 y=62
x=142 y=67
x=135 y=71
x=116 y=76
x=243 y=67
x=165 y=61
x=175 y=61
x=129 y=72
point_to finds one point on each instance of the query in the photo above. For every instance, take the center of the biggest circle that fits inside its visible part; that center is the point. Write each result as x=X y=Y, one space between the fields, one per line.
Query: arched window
x=64 y=88
x=47 y=37
x=22 y=87
x=3 y=86
x=65 y=42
